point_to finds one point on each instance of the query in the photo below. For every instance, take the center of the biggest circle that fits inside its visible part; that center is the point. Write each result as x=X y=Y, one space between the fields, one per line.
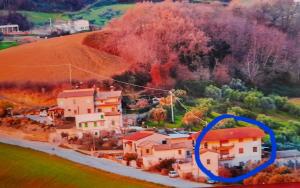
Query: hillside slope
x=48 y=60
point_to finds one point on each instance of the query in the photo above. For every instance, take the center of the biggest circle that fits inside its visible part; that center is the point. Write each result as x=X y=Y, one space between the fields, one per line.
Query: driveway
x=100 y=163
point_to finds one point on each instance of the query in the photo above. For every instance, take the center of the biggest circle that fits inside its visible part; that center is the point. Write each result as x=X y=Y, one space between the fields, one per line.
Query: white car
x=173 y=174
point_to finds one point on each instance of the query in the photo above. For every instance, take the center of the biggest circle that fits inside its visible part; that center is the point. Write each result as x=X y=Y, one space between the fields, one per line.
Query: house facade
x=76 y=102
x=93 y=110
x=236 y=146
x=152 y=147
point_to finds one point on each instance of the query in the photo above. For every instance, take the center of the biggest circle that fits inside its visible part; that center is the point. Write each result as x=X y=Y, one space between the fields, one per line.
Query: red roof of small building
x=138 y=135
x=76 y=93
x=231 y=133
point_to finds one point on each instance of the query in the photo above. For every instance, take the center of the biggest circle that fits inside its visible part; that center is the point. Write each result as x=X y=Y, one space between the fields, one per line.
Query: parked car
x=211 y=181
x=173 y=174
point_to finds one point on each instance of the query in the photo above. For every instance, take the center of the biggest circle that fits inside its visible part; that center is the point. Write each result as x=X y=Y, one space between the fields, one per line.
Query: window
x=101 y=116
x=226 y=165
x=205 y=145
x=96 y=133
x=89 y=111
x=113 y=122
x=164 y=142
x=208 y=161
x=86 y=124
x=240 y=140
x=99 y=110
x=179 y=152
x=80 y=125
x=188 y=153
x=242 y=163
x=255 y=139
x=69 y=110
x=241 y=150
x=75 y=111
x=147 y=151
x=254 y=149
x=95 y=124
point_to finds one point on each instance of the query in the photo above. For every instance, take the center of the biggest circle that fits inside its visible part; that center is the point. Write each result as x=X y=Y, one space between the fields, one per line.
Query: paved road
x=100 y=163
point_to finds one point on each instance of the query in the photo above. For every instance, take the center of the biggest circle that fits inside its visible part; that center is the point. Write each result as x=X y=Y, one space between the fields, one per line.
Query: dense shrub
x=165 y=164
x=267 y=103
x=237 y=84
x=252 y=100
x=268 y=121
x=130 y=157
x=213 y=92
x=279 y=101
x=292 y=109
x=236 y=110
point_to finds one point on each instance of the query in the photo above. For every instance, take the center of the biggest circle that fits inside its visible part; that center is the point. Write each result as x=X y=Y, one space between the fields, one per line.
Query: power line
x=105 y=77
x=90 y=72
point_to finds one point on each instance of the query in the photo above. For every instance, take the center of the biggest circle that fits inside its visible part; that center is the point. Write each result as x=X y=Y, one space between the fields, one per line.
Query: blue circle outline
x=250 y=173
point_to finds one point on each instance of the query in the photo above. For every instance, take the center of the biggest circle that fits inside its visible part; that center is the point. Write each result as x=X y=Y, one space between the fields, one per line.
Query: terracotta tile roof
x=107 y=94
x=138 y=135
x=76 y=93
x=180 y=145
x=149 y=143
x=231 y=133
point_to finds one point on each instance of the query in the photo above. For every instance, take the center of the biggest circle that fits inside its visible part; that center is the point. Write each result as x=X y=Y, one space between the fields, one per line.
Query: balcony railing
x=226 y=158
x=223 y=147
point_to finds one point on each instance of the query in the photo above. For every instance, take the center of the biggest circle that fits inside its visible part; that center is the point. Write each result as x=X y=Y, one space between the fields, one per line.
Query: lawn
x=42 y=18
x=7 y=44
x=295 y=101
x=100 y=15
x=21 y=167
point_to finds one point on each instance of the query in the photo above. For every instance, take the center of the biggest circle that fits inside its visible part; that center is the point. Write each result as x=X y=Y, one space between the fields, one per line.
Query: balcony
x=226 y=158
x=223 y=147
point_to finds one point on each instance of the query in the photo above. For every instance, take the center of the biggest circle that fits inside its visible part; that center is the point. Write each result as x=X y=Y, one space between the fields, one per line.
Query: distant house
x=72 y=26
x=138 y=141
x=153 y=147
x=225 y=148
x=235 y=146
x=93 y=110
x=6 y=29
x=76 y=102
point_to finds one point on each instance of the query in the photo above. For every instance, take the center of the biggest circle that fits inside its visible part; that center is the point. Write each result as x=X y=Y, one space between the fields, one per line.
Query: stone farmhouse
x=93 y=110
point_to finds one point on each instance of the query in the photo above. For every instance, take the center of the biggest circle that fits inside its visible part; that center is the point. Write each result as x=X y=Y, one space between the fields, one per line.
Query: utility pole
x=172 y=110
x=70 y=73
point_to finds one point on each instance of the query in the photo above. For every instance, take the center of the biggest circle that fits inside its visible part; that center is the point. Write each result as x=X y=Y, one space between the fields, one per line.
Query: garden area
x=198 y=106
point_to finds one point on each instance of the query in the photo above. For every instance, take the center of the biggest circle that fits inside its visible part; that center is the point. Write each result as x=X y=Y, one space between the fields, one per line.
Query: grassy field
x=7 y=44
x=42 y=18
x=21 y=167
x=100 y=15
x=295 y=101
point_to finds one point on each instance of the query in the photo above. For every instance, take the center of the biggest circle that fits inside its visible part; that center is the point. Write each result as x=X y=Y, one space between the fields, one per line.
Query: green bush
x=236 y=110
x=237 y=84
x=292 y=109
x=267 y=103
x=213 y=92
x=252 y=100
x=268 y=121
x=279 y=101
